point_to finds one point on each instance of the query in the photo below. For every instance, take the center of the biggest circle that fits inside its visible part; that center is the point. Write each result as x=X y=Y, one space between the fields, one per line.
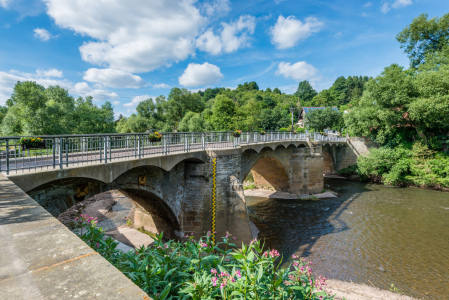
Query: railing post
x=60 y=153
x=110 y=147
x=7 y=156
x=203 y=141
x=105 y=141
x=135 y=146
x=67 y=153
x=53 y=146
x=165 y=144
x=139 y=151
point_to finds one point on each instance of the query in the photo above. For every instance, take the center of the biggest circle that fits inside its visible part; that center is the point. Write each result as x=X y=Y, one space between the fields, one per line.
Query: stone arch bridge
x=172 y=179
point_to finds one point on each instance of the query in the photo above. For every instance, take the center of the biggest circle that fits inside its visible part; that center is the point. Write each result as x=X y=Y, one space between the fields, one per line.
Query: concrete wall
x=41 y=259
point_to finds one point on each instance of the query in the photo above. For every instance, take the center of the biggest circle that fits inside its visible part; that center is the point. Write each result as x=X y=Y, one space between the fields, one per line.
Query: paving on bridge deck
x=42 y=259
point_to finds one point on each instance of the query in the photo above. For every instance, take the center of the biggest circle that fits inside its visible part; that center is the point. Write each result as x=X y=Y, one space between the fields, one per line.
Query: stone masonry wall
x=346 y=155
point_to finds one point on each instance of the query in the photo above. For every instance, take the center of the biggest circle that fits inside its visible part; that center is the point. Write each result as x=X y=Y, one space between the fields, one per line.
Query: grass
x=149 y=233
x=249 y=187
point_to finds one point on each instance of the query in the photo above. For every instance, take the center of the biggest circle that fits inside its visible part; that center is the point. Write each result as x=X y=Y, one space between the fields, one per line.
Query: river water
x=372 y=234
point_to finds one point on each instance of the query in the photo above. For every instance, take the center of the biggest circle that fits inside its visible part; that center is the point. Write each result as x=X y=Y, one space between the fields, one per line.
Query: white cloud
x=9 y=80
x=401 y=3
x=83 y=89
x=298 y=71
x=287 y=32
x=114 y=78
x=198 y=75
x=386 y=6
x=216 y=8
x=39 y=73
x=136 y=100
x=160 y=86
x=5 y=3
x=367 y=4
x=116 y=102
x=133 y=36
x=43 y=34
x=209 y=42
x=49 y=73
x=232 y=36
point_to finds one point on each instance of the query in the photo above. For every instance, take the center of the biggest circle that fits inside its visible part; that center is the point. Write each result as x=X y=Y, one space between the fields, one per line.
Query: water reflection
x=371 y=234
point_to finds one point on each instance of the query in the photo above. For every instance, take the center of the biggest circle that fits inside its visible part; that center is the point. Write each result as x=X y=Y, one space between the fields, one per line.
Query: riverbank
x=289 y=196
x=356 y=291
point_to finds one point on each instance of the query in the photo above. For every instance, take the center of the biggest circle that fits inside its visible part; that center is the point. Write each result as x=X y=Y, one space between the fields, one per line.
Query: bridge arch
x=269 y=173
x=268 y=168
x=152 y=213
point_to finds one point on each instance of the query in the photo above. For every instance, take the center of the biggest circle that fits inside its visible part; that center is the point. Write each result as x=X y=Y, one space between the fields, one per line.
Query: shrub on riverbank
x=200 y=270
x=401 y=166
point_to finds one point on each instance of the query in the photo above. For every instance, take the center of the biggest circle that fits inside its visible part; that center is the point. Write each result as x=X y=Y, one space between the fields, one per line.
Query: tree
x=423 y=37
x=320 y=119
x=273 y=119
x=3 y=111
x=223 y=113
x=134 y=123
x=90 y=119
x=192 y=122
x=34 y=110
x=180 y=102
x=277 y=91
x=305 y=91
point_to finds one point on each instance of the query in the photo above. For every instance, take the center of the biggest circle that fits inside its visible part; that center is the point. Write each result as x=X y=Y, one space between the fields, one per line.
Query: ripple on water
x=372 y=234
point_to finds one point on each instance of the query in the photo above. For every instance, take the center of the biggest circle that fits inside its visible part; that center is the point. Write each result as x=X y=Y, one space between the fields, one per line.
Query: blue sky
x=126 y=51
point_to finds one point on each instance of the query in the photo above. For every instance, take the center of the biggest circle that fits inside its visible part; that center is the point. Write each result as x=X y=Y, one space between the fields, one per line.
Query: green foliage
x=344 y=91
x=305 y=91
x=402 y=166
x=320 y=119
x=200 y=270
x=350 y=170
x=34 y=110
x=224 y=110
x=423 y=37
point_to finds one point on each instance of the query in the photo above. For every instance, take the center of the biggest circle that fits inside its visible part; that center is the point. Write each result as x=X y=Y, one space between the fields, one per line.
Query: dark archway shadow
x=294 y=226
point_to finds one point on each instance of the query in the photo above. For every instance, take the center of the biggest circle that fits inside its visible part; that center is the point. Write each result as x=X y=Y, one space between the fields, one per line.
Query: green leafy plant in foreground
x=197 y=269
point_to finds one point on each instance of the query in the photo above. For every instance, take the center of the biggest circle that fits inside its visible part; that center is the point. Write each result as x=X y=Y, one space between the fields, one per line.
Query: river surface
x=372 y=234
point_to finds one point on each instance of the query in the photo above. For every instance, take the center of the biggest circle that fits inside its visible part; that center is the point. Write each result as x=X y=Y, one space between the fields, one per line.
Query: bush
x=417 y=166
x=350 y=170
x=201 y=270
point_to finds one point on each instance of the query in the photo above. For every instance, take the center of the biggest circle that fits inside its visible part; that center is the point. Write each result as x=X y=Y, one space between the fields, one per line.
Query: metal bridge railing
x=62 y=151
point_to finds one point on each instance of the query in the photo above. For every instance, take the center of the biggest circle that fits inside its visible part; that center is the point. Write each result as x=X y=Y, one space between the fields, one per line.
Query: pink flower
x=294 y=256
x=237 y=273
x=214 y=281
x=213 y=271
x=223 y=283
x=274 y=253
x=295 y=264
